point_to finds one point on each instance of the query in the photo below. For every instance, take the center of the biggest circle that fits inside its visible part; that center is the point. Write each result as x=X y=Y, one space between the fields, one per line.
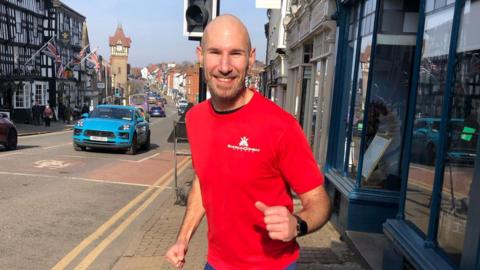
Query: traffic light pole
x=202 y=86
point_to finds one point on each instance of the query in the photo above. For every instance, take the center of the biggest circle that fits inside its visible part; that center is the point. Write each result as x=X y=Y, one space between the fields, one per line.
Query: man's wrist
x=302 y=226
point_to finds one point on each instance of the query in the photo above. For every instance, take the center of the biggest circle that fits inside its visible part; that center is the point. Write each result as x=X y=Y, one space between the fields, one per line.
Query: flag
x=60 y=70
x=79 y=57
x=51 y=50
x=94 y=60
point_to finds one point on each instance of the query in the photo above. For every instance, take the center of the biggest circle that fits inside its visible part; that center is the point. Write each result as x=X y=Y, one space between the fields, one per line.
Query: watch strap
x=302 y=227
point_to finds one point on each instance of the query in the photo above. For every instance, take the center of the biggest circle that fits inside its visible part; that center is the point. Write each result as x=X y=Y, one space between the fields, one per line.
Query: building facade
x=27 y=74
x=22 y=34
x=402 y=155
x=119 y=49
x=71 y=78
x=310 y=50
x=275 y=69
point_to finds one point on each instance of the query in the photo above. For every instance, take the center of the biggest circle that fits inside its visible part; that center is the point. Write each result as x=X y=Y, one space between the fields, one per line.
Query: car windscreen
x=113 y=113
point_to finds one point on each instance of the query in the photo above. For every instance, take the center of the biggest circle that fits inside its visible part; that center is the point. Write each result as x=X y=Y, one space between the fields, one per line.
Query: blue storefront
x=402 y=158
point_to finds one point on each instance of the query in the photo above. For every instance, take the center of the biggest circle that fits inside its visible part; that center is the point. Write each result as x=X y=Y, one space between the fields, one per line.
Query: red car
x=8 y=133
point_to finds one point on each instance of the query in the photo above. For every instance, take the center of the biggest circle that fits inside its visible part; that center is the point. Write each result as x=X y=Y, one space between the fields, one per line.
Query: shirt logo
x=243 y=146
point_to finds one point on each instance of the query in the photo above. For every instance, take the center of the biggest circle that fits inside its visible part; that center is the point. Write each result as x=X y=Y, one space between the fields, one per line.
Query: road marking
x=10 y=154
x=147 y=158
x=51 y=164
x=33 y=175
x=65 y=261
x=55 y=146
x=118 y=159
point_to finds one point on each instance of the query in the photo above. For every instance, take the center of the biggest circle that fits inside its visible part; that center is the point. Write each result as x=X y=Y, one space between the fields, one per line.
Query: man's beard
x=232 y=93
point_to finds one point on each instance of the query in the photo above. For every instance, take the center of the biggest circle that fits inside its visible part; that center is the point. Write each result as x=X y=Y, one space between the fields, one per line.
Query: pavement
x=30 y=129
x=323 y=249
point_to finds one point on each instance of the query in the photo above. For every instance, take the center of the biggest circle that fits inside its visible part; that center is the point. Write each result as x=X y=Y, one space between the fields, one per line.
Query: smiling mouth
x=223 y=79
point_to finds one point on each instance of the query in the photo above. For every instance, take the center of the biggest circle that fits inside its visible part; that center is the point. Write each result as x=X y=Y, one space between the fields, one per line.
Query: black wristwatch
x=302 y=227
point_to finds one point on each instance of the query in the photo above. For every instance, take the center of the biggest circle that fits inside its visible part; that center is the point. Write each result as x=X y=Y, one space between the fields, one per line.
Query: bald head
x=226 y=23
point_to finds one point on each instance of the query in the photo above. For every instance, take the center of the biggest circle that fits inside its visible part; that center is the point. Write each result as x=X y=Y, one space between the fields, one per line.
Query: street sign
x=101 y=85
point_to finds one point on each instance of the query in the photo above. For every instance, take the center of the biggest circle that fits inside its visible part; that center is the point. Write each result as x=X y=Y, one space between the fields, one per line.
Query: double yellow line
x=159 y=185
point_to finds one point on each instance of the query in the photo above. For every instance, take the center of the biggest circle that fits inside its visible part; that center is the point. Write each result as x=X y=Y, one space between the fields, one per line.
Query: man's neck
x=243 y=99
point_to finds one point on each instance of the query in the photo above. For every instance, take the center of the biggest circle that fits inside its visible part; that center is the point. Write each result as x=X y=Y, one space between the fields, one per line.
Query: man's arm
x=316 y=208
x=192 y=218
x=282 y=225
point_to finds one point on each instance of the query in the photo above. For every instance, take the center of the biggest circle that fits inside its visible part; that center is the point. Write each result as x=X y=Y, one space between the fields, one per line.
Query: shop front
x=402 y=153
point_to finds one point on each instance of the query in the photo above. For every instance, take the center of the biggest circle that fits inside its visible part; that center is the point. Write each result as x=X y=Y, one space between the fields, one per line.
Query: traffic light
x=197 y=13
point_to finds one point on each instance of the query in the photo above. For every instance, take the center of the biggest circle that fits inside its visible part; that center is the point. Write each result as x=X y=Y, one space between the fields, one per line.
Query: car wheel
x=78 y=147
x=132 y=150
x=146 y=145
x=11 y=140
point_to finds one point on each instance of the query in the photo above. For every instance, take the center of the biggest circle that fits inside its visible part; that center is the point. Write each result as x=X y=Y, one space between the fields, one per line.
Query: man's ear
x=199 y=52
x=251 y=58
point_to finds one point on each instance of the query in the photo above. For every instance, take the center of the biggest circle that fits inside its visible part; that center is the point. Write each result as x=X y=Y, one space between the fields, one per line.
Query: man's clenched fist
x=281 y=224
x=176 y=254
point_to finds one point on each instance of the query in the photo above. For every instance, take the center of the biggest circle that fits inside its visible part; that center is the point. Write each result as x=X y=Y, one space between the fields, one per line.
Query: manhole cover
x=318 y=255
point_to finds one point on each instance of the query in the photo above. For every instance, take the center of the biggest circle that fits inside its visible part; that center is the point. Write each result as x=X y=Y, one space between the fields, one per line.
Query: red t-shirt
x=256 y=153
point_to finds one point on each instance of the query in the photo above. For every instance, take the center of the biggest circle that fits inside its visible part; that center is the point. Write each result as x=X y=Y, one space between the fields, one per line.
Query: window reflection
x=354 y=16
x=389 y=89
x=431 y=86
x=359 y=91
x=462 y=137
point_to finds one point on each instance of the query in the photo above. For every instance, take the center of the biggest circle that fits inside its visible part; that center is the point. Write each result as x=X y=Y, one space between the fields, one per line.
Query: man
x=247 y=154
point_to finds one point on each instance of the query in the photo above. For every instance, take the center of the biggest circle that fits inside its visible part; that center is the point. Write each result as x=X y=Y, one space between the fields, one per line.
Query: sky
x=156 y=27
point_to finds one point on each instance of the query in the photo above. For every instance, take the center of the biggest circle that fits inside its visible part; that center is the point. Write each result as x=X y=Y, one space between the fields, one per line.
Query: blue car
x=157 y=111
x=112 y=127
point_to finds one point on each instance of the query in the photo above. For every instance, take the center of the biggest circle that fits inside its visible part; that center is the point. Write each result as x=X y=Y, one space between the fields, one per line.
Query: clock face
x=119 y=48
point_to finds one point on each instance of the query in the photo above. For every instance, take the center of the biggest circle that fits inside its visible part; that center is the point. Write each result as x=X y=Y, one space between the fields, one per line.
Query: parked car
x=8 y=133
x=112 y=127
x=157 y=111
x=426 y=137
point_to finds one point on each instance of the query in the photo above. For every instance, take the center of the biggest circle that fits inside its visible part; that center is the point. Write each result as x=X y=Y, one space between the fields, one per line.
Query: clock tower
x=119 y=46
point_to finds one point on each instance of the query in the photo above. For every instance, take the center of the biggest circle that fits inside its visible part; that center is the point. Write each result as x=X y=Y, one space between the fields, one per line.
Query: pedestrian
x=61 y=111
x=68 y=114
x=47 y=115
x=246 y=165
x=36 y=113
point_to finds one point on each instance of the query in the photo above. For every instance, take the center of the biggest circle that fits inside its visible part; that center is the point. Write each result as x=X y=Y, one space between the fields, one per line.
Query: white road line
x=147 y=158
x=10 y=154
x=55 y=146
x=73 y=178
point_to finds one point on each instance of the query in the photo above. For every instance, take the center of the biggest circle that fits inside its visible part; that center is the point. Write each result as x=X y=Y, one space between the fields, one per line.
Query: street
x=64 y=209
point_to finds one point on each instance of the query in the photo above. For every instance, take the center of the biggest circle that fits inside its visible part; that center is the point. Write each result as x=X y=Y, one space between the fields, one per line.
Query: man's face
x=226 y=58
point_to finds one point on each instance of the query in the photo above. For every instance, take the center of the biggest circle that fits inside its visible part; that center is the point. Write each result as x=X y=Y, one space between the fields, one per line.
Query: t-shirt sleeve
x=296 y=162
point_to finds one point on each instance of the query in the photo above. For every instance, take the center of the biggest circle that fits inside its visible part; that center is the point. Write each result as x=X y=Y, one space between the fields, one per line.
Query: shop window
x=388 y=100
x=462 y=137
x=306 y=85
x=425 y=137
x=359 y=92
x=22 y=96
x=41 y=92
x=348 y=64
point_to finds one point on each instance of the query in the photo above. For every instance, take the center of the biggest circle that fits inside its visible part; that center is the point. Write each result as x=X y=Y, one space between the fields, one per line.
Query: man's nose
x=225 y=65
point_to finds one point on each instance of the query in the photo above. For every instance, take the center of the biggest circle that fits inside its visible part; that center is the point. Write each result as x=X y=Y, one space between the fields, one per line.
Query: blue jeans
x=292 y=266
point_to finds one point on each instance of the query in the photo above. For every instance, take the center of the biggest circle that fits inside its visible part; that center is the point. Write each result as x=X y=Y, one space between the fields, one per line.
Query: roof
x=119 y=36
